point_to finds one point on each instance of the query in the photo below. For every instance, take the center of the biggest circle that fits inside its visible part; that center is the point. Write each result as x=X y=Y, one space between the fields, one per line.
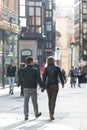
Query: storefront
x=8 y=52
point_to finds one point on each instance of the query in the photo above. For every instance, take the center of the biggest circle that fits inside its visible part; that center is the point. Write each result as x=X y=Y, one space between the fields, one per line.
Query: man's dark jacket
x=11 y=71
x=31 y=77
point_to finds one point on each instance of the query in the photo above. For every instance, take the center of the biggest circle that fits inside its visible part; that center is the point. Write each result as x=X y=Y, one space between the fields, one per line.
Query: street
x=70 y=112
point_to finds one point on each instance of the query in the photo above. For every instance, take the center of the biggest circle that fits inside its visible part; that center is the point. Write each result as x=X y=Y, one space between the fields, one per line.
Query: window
x=77 y=33
x=48 y=26
x=38 y=11
x=84 y=16
x=49 y=36
x=49 y=45
x=22 y=10
x=85 y=30
x=1 y=43
x=84 y=5
x=31 y=29
x=23 y=22
x=31 y=11
x=38 y=29
x=77 y=12
x=84 y=25
x=38 y=20
x=38 y=3
x=49 y=5
x=31 y=20
x=84 y=8
x=22 y=2
x=48 y=13
x=30 y=3
x=84 y=11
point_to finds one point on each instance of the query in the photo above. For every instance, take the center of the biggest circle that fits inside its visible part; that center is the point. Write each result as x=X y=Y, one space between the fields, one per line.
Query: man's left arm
x=39 y=79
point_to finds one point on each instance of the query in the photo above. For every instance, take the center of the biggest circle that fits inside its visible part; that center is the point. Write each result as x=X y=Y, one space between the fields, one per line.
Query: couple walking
x=31 y=76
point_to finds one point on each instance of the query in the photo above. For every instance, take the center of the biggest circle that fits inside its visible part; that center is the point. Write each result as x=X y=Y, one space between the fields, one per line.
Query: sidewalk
x=70 y=113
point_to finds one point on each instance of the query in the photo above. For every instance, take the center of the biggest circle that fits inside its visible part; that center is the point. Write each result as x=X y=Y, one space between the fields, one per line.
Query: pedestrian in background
x=20 y=80
x=64 y=75
x=51 y=74
x=42 y=71
x=80 y=76
x=31 y=77
x=72 y=77
x=11 y=70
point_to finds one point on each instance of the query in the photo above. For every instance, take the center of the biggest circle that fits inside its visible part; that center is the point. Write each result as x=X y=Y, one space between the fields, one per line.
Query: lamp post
x=57 y=54
x=71 y=45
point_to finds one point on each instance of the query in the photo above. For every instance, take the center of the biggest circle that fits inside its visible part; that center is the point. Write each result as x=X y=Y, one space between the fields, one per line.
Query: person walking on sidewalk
x=51 y=74
x=11 y=70
x=72 y=74
x=31 y=77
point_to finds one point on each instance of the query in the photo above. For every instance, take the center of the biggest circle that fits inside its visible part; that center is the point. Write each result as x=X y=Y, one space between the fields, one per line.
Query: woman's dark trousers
x=52 y=95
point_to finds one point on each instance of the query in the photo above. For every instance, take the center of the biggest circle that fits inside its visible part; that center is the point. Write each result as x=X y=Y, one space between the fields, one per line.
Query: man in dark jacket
x=31 y=77
x=11 y=70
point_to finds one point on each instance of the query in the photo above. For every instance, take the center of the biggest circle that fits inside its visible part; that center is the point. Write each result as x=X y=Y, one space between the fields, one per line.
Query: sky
x=65 y=2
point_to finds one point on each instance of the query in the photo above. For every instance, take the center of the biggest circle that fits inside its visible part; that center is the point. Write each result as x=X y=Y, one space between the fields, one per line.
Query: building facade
x=49 y=27
x=36 y=25
x=81 y=30
x=9 y=30
x=64 y=38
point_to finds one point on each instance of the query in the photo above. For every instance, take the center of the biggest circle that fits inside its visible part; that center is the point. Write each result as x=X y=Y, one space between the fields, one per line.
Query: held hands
x=62 y=86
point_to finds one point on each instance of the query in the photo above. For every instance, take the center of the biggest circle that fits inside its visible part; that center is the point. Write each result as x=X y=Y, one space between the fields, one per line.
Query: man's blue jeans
x=27 y=93
x=11 y=83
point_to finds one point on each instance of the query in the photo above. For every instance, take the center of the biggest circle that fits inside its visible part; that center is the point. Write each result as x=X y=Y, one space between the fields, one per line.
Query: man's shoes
x=26 y=118
x=11 y=93
x=39 y=114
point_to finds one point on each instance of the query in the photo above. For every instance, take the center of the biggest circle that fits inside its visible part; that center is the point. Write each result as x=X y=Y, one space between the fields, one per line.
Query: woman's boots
x=51 y=117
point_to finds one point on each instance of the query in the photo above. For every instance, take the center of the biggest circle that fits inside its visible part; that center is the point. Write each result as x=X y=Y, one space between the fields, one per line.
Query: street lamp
x=57 y=54
x=71 y=45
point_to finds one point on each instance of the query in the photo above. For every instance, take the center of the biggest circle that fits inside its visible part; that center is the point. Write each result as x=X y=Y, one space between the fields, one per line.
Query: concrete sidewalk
x=70 y=112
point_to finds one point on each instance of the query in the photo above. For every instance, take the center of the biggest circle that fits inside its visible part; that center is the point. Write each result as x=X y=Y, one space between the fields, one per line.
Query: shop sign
x=26 y=52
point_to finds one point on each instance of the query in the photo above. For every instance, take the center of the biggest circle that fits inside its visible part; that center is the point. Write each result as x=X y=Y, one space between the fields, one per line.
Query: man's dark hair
x=29 y=60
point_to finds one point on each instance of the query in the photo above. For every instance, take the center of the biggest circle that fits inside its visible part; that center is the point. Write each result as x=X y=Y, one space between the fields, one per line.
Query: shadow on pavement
x=33 y=124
